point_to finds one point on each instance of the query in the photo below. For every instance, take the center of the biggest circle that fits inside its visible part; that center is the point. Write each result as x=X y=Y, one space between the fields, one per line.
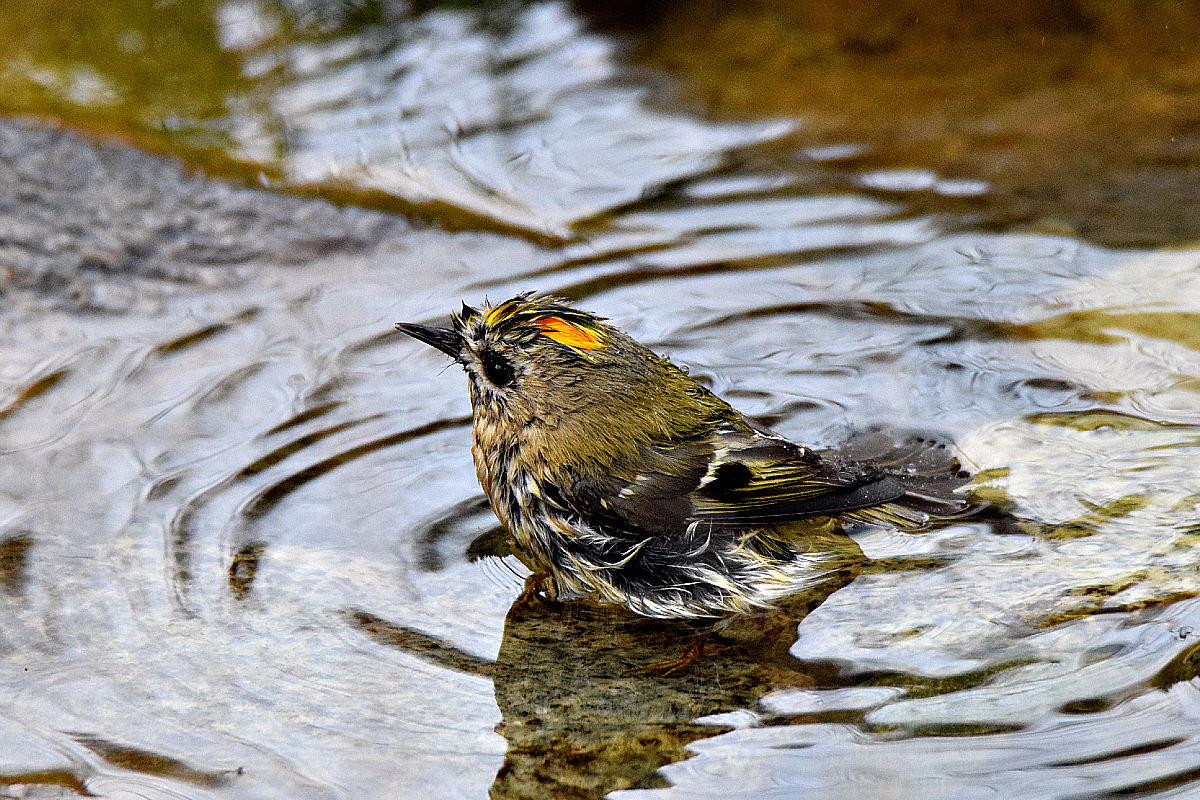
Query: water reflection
x=516 y=119
x=1131 y=750
x=1040 y=105
x=519 y=119
x=587 y=707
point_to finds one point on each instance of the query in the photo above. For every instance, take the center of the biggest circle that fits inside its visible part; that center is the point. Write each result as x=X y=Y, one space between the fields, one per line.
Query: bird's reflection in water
x=587 y=707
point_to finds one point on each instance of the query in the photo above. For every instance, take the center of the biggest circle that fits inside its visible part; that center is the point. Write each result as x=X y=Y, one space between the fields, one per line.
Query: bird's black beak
x=444 y=339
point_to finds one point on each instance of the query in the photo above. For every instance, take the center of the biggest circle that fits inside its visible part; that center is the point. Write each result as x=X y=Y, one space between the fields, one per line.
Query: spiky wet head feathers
x=524 y=318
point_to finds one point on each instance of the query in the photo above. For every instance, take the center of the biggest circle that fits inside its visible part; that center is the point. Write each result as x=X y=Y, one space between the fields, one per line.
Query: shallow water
x=242 y=552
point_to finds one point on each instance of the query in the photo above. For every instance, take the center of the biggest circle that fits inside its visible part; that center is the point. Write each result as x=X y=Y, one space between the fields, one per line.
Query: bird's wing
x=755 y=479
x=734 y=477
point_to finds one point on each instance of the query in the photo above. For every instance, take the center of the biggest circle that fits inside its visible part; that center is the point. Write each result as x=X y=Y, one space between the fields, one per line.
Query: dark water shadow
x=588 y=707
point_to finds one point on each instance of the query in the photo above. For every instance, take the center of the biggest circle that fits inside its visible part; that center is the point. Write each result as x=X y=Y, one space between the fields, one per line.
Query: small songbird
x=618 y=474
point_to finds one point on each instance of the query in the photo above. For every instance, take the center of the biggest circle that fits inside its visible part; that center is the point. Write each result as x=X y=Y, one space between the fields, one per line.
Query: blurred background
x=242 y=548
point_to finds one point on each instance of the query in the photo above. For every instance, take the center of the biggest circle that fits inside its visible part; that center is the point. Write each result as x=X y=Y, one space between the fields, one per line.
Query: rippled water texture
x=243 y=553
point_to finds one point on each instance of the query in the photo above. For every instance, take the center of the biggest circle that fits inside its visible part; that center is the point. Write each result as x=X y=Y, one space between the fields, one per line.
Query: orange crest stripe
x=564 y=332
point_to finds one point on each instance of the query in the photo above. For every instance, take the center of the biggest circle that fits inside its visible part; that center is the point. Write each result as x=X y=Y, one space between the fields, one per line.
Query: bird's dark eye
x=498 y=369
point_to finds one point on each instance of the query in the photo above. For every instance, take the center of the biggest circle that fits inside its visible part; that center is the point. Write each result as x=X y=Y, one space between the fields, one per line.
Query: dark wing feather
x=738 y=478
x=764 y=479
x=657 y=497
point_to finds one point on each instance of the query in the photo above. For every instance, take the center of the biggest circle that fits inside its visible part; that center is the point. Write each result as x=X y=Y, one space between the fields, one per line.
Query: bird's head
x=530 y=357
x=540 y=361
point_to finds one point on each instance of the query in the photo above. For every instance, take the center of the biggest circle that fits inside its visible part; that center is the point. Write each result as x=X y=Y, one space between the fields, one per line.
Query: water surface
x=242 y=548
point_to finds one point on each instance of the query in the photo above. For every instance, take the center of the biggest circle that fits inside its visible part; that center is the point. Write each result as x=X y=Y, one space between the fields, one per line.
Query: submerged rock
x=72 y=209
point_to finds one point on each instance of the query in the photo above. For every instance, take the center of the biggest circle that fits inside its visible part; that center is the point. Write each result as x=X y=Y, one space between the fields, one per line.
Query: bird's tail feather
x=930 y=471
